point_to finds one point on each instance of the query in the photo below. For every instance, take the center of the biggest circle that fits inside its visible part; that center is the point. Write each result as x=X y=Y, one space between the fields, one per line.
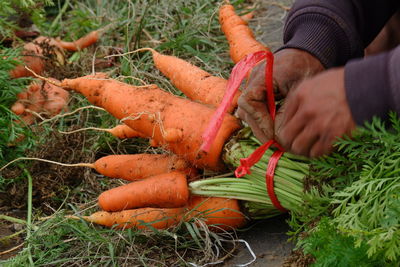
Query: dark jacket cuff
x=321 y=33
x=368 y=88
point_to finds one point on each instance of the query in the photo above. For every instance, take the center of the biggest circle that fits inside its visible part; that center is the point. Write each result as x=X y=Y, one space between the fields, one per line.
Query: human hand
x=290 y=67
x=315 y=114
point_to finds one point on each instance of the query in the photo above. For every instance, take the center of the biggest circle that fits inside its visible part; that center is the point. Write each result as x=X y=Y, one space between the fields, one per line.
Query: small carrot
x=168 y=190
x=18 y=108
x=79 y=44
x=151 y=111
x=34 y=103
x=138 y=218
x=32 y=57
x=56 y=99
x=247 y=17
x=239 y=35
x=194 y=82
x=124 y=131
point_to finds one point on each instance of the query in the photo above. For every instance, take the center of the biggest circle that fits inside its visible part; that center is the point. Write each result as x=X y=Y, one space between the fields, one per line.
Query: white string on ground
x=254 y=257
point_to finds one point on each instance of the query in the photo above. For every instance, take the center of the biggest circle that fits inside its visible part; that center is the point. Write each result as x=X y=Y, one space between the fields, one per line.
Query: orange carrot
x=138 y=218
x=218 y=213
x=168 y=190
x=18 y=108
x=138 y=166
x=79 y=44
x=194 y=82
x=34 y=103
x=33 y=52
x=32 y=57
x=124 y=131
x=240 y=37
x=247 y=17
x=154 y=112
x=56 y=99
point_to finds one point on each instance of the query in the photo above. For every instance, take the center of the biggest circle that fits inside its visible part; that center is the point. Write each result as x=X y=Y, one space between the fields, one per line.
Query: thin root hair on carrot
x=48 y=161
x=132 y=52
x=43 y=78
x=71 y=113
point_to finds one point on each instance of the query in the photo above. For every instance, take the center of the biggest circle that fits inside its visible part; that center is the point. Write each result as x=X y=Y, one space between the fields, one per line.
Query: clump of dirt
x=59 y=66
x=51 y=183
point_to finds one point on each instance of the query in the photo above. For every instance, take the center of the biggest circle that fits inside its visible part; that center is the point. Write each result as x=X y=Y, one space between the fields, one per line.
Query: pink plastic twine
x=239 y=72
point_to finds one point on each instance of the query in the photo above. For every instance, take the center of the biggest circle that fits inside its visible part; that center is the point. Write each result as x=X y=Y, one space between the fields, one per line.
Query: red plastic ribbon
x=247 y=163
x=238 y=73
x=269 y=179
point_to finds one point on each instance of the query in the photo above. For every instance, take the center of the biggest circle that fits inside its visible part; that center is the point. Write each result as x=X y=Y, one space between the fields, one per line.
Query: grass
x=188 y=29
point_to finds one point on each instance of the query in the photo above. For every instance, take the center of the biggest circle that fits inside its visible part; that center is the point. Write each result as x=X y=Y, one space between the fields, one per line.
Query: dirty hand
x=290 y=67
x=315 y=114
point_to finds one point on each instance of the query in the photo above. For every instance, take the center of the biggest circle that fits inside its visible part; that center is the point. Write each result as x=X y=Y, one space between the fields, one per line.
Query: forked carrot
x=154 y=112
x=239 y=35
x=168 y=190
x=195 y=83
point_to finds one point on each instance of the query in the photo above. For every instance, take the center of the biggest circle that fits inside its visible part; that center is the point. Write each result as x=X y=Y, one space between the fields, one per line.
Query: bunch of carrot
x=158 y=194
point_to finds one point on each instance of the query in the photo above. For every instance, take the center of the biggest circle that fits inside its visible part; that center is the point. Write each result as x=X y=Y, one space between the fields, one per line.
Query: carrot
x=56 y=99
x=124 y=131
x=22 y=95
x=239 y=35
x=79 y=44
x=34 y=103
x=247 y=17
x=33 y=58
x=138 y=218
x=218 y=213
x=194 y=82
x=168 y=190
x=154 y=112
x=18 y=108
x=138 y=166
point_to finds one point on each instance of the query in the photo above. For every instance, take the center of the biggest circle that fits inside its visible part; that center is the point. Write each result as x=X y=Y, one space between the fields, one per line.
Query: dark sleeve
x=336 y=31
x=373 y=86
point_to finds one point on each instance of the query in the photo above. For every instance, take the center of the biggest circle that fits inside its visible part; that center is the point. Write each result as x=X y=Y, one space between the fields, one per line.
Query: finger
x=278 y=122
x=257 y=111
x=290 y=107
x=290 y=125
x=260 y=133
x=328 y=134
x=304 y=141
x=321 y=147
